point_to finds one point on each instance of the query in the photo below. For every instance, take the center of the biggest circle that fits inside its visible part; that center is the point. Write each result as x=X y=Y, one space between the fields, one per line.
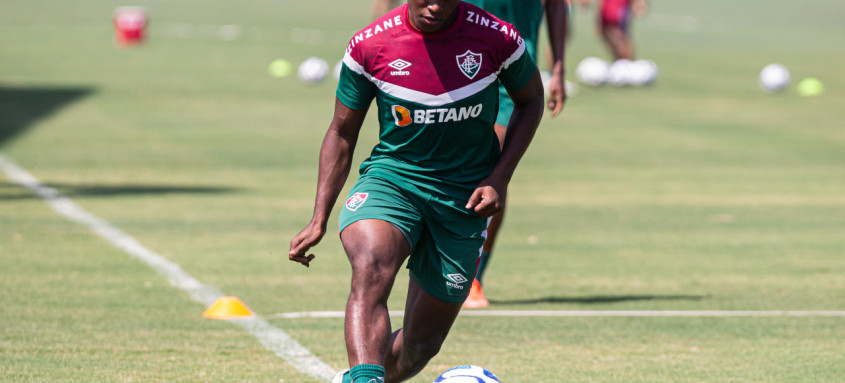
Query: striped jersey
x=436 y=94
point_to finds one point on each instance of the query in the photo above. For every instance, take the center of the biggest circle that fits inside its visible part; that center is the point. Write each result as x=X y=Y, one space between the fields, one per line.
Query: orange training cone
x=227 y=308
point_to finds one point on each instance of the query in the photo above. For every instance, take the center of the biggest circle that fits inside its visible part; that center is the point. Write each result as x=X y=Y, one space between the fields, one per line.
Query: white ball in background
x=546 y=77
x=774 y=77
x=313 y=70
x=571 y=88
x=655 y=71
x=592 y=71
x=619 y=73
x=337 y=68
x=643 y=72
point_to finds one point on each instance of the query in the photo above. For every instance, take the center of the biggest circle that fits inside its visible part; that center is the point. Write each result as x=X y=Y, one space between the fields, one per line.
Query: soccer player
x=526 y=16
x=614 y=21
x=436 y=174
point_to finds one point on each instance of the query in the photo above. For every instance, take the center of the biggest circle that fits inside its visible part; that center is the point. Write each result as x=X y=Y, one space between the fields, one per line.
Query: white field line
x=273 y=338
x=591 y=313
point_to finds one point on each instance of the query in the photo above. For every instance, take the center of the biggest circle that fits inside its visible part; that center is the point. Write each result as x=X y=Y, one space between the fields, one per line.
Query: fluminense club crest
x=357 y=199
x=469 y=63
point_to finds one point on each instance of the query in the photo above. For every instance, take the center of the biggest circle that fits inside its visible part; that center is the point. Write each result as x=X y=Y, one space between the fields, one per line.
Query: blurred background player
x=614 y=23
x=526 y=16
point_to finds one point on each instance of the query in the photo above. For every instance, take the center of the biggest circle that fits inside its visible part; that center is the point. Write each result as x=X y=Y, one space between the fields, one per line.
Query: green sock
x=482 y=264
x=366 y=373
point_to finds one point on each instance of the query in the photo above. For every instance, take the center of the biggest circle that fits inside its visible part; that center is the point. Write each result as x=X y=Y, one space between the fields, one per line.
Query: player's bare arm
x=490 y=195
x=335 y=160
x=556 y=21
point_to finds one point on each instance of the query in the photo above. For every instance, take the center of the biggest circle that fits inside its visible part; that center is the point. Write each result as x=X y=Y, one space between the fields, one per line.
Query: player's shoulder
x=488 y=26
x=377 y=33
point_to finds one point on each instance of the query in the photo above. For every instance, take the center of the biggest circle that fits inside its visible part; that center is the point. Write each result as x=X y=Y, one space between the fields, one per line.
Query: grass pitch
x=700 y=193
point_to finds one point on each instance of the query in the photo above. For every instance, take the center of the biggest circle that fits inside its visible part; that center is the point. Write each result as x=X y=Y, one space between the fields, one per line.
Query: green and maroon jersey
x=436 y=93
x=525 y=15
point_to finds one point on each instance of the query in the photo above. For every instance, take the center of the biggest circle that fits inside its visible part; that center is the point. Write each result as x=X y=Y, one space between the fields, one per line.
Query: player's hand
x=639 y=8
x=486 y=201
x=307 y=238
x=557 y=94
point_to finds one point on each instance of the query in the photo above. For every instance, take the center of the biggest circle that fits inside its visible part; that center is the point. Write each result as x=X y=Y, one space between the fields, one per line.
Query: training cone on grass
x=227 y=308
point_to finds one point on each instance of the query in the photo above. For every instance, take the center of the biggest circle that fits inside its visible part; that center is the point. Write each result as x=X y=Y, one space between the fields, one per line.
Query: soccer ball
x=337 y=68
x=592 y=71
x=643 y=72
x=619 y=73
x=467 y=374
x=569 y=87
x=774 y=77
x=313 y=70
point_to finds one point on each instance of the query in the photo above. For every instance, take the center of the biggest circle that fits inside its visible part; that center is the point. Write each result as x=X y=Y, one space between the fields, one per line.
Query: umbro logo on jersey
x=469 y=63
x=399 y=65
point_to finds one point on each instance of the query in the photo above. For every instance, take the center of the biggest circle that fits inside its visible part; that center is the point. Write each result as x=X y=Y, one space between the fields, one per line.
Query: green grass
x=699 y=193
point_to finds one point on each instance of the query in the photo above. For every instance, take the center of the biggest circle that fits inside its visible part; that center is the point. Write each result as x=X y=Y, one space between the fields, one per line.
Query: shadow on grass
x=601 y=299
x=21 y=107
x=14 y=192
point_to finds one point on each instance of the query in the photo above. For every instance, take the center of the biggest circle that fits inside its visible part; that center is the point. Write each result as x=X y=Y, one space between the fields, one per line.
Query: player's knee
x=369 y=278
x=423 y=351
x=371 y=269
x=370 y=282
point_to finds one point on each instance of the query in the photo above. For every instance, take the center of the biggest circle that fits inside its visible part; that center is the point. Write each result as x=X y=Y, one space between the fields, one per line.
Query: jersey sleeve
x=518 y=68
x=354 y=89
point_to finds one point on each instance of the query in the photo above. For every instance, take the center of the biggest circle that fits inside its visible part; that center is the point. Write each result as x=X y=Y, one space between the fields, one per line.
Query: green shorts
x=445 y=238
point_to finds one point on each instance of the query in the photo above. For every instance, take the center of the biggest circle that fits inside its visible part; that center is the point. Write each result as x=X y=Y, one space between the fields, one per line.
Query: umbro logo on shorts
x=456 y=280
x=357 y=199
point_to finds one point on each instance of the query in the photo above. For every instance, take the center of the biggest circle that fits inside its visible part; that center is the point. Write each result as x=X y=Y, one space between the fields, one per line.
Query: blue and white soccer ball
x=467 y=374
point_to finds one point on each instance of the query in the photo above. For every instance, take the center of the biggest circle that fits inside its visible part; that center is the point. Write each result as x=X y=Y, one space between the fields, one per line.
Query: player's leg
x=441 y=265
x=496 y=220
x=487 y=250
x=613 y=23
x=618 y=42
x=376 y=250
x=425 y=326
x=476 y=298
